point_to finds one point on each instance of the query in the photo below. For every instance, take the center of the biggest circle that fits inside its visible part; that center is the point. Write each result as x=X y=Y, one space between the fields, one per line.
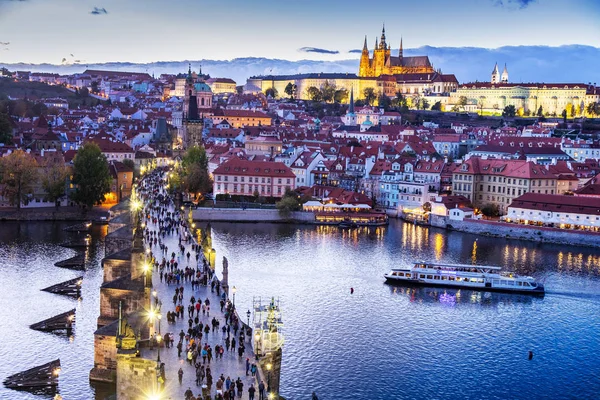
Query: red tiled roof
x=238 y=166
x=558 y=203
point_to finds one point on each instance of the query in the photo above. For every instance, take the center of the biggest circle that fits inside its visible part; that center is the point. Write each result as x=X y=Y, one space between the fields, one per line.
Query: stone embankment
x=250 y=215
x=521 y=232
x=49 y=214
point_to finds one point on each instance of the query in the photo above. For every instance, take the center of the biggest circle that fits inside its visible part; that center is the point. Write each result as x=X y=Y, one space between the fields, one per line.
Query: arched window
x=202 y=101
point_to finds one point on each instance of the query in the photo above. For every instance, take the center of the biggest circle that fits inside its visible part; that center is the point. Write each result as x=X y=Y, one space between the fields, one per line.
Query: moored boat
x=476 y=277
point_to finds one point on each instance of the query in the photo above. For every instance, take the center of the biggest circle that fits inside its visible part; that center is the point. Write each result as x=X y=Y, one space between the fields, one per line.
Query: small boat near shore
x=476 y=277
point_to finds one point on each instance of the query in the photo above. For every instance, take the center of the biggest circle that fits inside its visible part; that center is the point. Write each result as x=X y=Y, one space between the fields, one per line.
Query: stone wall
x=132 y=300
x=136 y=377
x=525 y=232
x=118 y=240
x=249 y=215
x=115 y=268
x=105 y=355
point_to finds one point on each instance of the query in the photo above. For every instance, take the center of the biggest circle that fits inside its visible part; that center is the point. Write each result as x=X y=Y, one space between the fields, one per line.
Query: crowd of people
x=177 y=258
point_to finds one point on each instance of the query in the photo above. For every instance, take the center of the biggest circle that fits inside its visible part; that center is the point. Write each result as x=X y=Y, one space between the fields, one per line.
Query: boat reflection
x=454 y=297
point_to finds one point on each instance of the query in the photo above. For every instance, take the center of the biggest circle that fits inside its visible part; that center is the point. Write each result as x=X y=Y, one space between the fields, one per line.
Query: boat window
x=496 y=281
x=450 y=278
x=429 y=276
x=503 y=282
x=437 y=277
x=525 y=283
x=474 y=280
x=421 y=276
x=520 y=283
x=444 y=278
x=511 y=283
x=480 y=280
x=408 y=275
x=400 y=273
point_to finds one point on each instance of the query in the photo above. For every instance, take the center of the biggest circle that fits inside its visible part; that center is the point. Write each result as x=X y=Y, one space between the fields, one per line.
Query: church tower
x=401 y=52
x=365 y=62
x=505 y=75
x=495 y=75
x=192 y=122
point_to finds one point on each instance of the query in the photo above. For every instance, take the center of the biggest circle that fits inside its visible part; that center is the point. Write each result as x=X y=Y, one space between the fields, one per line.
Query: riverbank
x=51 y=214
x=251 y=215
x=520 y=232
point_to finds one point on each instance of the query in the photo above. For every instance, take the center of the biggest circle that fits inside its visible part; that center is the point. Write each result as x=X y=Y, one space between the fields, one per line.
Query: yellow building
x=383 y=63
x=221 y=85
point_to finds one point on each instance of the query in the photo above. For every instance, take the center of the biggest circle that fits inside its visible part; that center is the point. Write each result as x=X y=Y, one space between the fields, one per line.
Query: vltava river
x=379 y=343
x=405 y=343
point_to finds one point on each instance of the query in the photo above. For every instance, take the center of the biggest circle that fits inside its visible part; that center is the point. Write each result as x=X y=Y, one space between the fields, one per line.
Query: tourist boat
x=476 y=277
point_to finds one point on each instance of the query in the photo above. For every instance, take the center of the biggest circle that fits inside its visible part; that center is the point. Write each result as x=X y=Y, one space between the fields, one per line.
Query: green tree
x=592 y=109
x=340 y=96
x=369 y=95
x=289 y=202
x=540 y=111
x=19 y=175
x=490 y=210
x=462 y=101
x=509 y=111
x=91 y=175
x=6 y=129
x=290 y=89
x=384 y=102
x=54 y=180
x=195 y=155
x=196 y=178
x=424 y=104
x=314 y=93
x=271 y=92
x=399 y=100
x=564 y=115
x=437 y=106
x=328 y=91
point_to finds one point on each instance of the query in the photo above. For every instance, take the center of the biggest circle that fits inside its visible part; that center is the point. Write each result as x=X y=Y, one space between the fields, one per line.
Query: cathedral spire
x=401 y=51
x=365 y=48
x=383 y=37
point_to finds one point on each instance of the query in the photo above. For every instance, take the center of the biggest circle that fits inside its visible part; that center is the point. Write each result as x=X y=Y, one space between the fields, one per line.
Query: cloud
x=355 y=51
x=317 y=50
x=519 y=3
x=98 y=11
x=4 y=46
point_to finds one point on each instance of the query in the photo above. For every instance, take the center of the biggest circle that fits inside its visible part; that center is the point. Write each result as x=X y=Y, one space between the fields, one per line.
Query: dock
x=71 y=288
x=40 y=377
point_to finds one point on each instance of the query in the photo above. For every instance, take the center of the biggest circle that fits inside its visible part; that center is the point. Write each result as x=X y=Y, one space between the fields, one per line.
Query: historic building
x=384 y=73
x=192 y=122
x=383 y=63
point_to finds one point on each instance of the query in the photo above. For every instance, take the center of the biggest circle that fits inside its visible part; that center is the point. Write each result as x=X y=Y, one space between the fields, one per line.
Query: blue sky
x=151 y=30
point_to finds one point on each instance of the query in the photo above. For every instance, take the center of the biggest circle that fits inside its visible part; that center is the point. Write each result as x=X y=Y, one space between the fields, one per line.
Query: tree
x=340 y=96
x=54 y=180
x=437 y=106
x=564 y=115
x=84 y=92
x=91 y=175
x=424 y=104
x=271 y=92
x=509 y=111
x=490 y=210
x=571 y=110
x=314 y=93
x=6 y=129
x=288 y=203
x=399 y=100
x=462 y=101
x=19 y=175
x=369 y=95
x=328 y=91
x=290 y=89
x=94 y=86
x=592 y=109
x=196 y=178
x=384 y=102
x=540 y=111
x=195 y=155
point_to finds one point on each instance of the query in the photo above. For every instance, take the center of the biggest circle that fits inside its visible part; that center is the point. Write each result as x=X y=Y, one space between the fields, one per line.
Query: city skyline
x=112 y=31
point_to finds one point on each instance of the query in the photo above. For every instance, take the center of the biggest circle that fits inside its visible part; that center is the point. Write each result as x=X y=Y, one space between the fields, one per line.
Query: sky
x=95 y=31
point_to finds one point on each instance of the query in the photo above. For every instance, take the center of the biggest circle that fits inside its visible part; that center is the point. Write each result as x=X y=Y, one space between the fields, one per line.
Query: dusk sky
x=151 y=30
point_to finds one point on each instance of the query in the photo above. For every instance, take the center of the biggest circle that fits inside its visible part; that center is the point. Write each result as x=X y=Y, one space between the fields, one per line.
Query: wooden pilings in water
x=71 y=288
x=77 y=262
x=40 y=377
x=81 y=227
x=59 y=322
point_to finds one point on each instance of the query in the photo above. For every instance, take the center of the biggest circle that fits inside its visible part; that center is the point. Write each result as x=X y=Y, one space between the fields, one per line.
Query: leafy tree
x=271 y=92
x=399 y=100
x=384 y=102
x=328 y=91
x=369 y=95
x=54 y=180
x=6 y=129
x=571 y=109
x=84 y=92
x=564 y=115
x=424 y=104
x=195 y=155
x=462 y=101
x=94 y=86
x=509 y=111
x=592 y=109
x=195 y=170
x=314 y=93
x=19 y=175
x=340 y=96
x=91 y=175
x=540 y=111
x=288 y=203
x=437 y=106
x=290 y=89
x=490 y=210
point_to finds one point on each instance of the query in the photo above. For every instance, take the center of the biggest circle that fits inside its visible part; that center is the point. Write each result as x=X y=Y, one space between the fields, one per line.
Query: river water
x=381 y=342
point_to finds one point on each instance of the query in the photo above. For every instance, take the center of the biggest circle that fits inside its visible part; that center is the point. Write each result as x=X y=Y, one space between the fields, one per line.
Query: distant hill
x=572 y=63
x=37 y=90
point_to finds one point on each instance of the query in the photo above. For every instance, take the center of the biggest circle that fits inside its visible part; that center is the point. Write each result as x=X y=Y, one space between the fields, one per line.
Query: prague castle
x=383 y=63
x=384 y=73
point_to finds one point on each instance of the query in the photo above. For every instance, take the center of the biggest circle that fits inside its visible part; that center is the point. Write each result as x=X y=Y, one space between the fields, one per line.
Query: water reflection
x=457 y=297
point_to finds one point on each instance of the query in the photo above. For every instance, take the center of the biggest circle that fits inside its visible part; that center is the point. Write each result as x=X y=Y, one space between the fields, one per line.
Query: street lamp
x=155 y=295
x=248 y=315
x=233 y=290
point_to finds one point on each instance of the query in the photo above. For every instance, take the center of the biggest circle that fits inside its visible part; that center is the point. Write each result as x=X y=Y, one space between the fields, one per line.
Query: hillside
x=33 y=91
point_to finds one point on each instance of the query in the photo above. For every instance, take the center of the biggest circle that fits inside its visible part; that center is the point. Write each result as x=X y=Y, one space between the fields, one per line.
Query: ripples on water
x=387 y=342
x=382 y=342
x=28 y=252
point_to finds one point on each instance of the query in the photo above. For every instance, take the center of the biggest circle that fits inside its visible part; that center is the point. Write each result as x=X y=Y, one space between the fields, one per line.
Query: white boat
x=476 y=277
